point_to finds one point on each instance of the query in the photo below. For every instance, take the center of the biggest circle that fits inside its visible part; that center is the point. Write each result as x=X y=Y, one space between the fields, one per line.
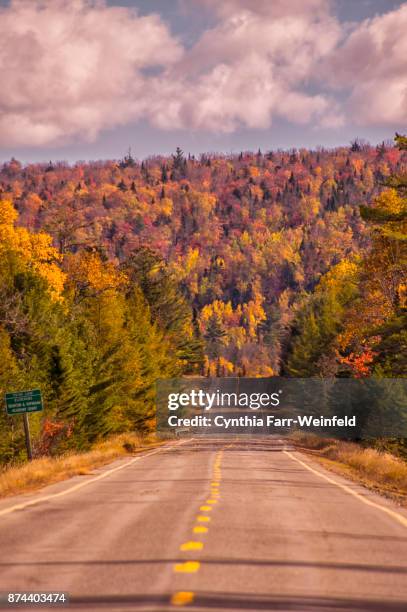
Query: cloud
x=227 y=97
x=266 y=8
x=69 y=68
x=262 y=59
x=371 y=64
x=256 y=63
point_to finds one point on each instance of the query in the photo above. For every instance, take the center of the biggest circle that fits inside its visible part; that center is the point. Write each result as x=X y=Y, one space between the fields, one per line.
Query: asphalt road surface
x=208 y=525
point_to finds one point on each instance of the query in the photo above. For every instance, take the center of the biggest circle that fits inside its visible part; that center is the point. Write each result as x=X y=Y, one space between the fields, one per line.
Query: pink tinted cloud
x=266 y=8
x=372 y=65
x=71 y=68
x=252 y=66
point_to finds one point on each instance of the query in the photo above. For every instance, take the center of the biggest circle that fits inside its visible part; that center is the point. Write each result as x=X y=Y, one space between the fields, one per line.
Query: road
x=208 y=525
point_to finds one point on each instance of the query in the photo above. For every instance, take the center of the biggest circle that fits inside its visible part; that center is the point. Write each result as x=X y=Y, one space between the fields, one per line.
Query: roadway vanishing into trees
x=208 y=524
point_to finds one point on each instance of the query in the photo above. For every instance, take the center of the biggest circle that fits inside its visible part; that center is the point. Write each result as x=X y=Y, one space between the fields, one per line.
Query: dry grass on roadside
x=374 y=468
x=48 y=470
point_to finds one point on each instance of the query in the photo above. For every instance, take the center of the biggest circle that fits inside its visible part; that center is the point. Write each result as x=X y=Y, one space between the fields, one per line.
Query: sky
x=87 y=79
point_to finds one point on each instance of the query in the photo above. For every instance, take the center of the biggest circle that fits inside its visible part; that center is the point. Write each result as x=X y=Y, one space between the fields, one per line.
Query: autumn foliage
x=258 y=264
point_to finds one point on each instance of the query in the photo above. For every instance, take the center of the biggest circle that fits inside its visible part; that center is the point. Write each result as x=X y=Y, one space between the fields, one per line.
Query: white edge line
x=395 y=515
x=44 y=498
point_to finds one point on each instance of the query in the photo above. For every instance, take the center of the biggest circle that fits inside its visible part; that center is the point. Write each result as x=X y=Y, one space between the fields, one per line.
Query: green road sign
x=23 y=401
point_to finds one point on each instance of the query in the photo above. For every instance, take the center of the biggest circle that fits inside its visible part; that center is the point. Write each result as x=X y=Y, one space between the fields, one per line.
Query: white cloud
x=372 y=65
x=253 y=65
x=266 y=8
x=73 y=67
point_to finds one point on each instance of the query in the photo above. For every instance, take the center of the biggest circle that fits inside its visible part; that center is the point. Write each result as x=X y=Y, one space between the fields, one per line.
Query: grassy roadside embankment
x=27 y=477
x=378 y=470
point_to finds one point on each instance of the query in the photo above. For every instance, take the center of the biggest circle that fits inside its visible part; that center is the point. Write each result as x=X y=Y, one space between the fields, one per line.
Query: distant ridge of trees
x=116 y=273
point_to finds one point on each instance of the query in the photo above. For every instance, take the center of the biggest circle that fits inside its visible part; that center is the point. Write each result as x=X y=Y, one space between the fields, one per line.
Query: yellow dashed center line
x=191 y=546
x=203 y=519
x=182 y=598
x=187 y=567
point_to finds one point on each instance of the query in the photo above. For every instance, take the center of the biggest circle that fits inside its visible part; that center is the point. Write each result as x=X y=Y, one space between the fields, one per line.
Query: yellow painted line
x=395 y=515
x=200 y=529
x=85 y=483
x=205 y=508
x=182 y=598
x=203 y=519
x=188 y=567
x=191 y=546
x=211 y=501
x=214 y=484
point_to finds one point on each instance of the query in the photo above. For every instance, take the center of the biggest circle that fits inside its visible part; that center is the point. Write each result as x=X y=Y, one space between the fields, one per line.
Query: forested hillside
x=354 y=323
x=116 y=273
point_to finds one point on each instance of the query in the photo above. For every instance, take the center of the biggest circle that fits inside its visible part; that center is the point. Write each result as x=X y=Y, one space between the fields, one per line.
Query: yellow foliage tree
x=35 y=250
x=87 y=272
